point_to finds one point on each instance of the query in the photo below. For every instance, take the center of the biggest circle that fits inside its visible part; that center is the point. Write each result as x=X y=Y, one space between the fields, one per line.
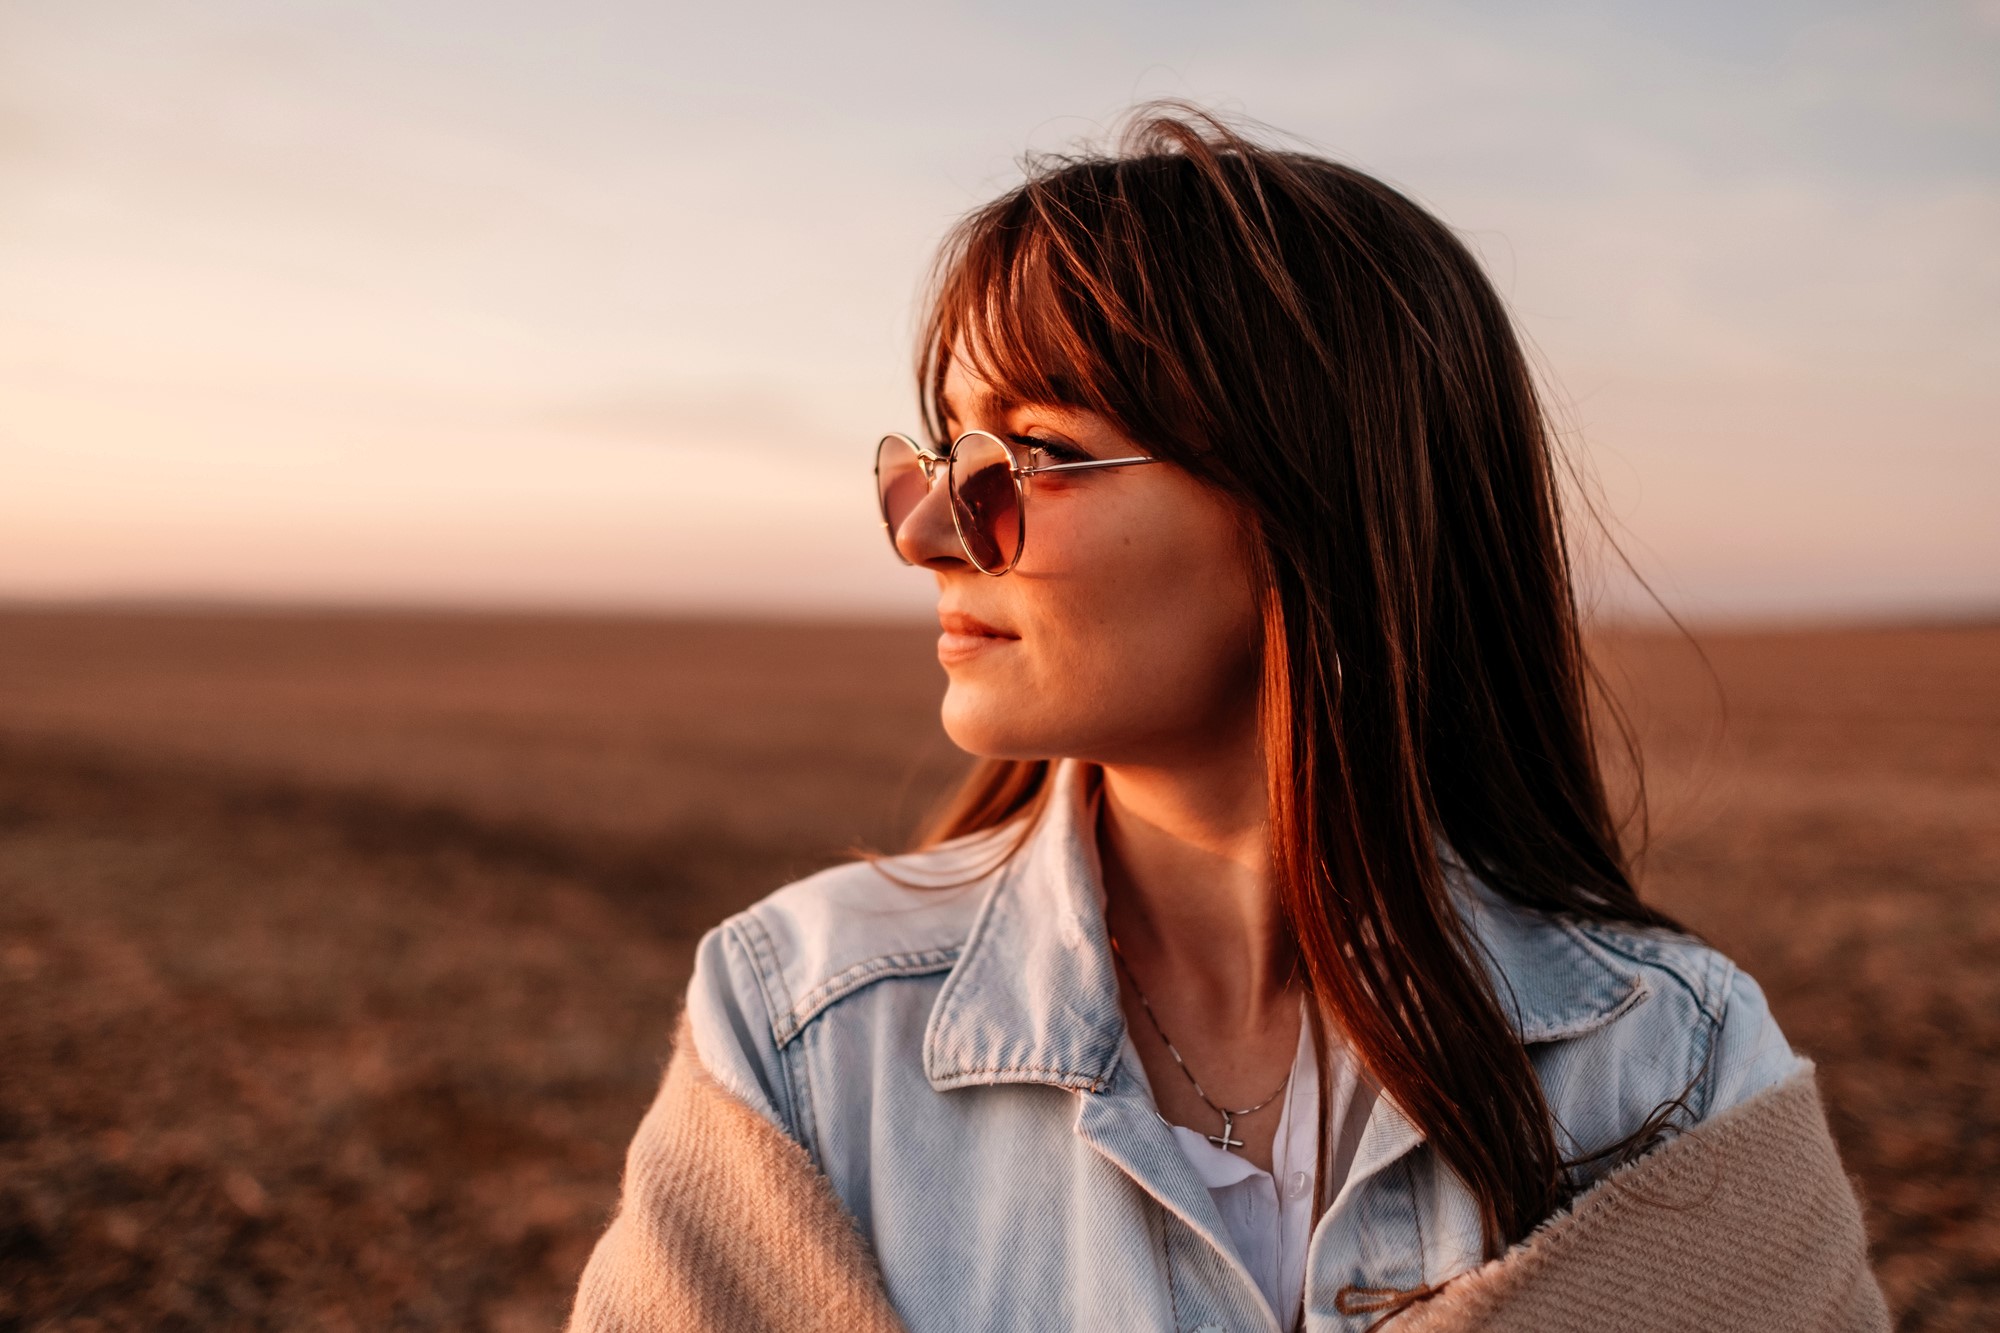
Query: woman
x=1280 y=962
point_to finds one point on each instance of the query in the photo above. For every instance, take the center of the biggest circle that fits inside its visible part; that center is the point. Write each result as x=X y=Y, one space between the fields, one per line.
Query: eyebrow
x=988 y=403
x=993 y=403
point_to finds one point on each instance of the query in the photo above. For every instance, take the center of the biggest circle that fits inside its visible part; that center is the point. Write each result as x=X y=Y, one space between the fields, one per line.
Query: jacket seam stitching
x=1159 y=1214
x=1612 y=1007
x=798 y=1080
x=1416 y=1219
x=1708 y=1072
x=756 y=942
x=1691 y=987
x=1095 y=1084
x=804 y=1067
x=736 y=941
x=844 y=983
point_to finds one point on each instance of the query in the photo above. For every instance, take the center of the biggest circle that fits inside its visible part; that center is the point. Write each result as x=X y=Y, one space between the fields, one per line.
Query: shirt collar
x=1033 y=997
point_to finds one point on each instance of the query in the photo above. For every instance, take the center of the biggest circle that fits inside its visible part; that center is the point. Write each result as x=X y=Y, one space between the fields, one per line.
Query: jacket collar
x=1033 y=997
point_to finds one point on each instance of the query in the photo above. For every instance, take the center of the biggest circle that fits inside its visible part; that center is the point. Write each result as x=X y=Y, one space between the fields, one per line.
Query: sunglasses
x=987 y=484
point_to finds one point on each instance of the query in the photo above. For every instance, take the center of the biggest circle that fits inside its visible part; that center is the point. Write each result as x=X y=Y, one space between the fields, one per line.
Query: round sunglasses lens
x=985 y=502
x=899 y=481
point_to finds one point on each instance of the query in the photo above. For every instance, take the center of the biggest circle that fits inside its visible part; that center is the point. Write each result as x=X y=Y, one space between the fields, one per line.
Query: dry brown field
x=338 y=952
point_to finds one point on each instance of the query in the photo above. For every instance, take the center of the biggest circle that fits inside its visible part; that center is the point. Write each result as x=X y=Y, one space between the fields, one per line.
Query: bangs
x=1010 y=302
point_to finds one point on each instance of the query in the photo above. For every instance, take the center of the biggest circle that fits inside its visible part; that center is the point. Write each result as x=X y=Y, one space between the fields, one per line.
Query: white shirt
x=1268 y=1214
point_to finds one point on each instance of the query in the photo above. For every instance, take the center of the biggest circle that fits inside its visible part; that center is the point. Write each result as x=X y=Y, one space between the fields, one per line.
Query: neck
x=1187 y=878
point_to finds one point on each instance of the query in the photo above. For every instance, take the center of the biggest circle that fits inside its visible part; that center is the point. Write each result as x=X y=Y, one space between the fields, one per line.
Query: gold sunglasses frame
x=928 y=462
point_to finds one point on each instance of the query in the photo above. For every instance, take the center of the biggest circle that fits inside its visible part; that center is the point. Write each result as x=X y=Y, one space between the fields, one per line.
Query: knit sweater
x=1744 y=1224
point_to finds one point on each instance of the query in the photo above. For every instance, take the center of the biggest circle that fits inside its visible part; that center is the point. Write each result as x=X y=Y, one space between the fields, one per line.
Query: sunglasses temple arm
x=1083 y=466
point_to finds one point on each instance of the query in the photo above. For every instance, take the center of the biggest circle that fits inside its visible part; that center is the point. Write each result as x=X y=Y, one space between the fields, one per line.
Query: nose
x=927 y=537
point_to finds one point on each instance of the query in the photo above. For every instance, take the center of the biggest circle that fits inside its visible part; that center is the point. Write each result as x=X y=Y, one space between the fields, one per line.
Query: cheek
x=1176 y=635
x=1135 y=634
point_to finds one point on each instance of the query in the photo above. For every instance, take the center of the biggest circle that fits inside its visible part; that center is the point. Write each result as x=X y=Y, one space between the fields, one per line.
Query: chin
x=994 y=728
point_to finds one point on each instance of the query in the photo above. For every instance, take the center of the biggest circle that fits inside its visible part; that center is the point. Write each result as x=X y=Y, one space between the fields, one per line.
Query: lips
x=957 y=622
x=966 y=637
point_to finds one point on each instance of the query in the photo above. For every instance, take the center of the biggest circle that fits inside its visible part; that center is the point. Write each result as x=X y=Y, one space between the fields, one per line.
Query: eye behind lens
x=986 y=501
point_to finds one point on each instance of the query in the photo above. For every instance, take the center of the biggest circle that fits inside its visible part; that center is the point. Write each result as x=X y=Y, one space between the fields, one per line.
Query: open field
x=338 y=952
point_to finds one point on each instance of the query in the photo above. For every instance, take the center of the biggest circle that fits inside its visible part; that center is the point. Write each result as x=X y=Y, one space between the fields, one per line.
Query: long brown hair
x=1330 y=358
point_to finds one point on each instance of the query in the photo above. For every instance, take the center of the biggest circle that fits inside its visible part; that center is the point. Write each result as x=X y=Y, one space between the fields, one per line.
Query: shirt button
x=1297 y=1184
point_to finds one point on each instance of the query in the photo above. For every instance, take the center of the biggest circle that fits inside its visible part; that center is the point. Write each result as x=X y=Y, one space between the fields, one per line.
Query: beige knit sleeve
x=1747 y=1223
x=725 y=1223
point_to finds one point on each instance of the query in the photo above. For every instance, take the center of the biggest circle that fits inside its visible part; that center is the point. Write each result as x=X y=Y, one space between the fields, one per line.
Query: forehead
x=965 y=395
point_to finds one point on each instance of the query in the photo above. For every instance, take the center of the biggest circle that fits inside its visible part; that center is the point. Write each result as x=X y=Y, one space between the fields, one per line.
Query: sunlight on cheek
x=1138 y=632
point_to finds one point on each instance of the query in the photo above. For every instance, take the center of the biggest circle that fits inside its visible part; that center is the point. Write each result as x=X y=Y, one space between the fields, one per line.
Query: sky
x=602 y=304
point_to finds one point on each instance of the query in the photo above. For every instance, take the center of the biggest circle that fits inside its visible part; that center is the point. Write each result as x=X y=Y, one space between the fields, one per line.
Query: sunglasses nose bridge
x=930 y=465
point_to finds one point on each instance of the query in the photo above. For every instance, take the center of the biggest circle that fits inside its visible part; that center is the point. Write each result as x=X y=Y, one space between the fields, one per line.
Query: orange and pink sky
x=602 y=304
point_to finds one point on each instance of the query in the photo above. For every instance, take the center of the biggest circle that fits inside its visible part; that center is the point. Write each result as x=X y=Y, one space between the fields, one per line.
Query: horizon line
x=1916 y=617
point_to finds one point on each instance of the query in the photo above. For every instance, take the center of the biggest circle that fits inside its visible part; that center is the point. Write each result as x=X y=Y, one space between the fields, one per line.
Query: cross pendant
x=1224 y=1141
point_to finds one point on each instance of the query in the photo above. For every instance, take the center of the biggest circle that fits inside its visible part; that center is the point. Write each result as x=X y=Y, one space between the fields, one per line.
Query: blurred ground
x=338 y=952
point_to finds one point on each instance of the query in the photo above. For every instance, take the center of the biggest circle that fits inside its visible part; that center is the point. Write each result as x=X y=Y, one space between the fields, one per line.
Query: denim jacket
x=953 y=1060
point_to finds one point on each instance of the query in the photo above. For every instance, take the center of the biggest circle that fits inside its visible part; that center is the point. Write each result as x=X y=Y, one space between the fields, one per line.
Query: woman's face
x=1128 y=631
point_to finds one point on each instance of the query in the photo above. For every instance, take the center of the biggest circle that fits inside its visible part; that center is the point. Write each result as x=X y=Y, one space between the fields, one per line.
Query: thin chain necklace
x=1228 y=1117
